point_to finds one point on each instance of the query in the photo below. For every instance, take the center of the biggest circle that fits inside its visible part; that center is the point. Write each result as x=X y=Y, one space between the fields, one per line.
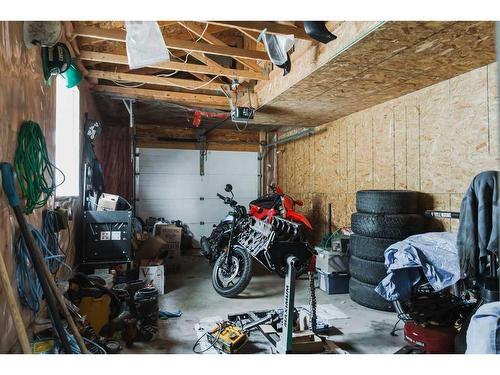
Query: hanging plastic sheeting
x=277 y=47
x=145 y=44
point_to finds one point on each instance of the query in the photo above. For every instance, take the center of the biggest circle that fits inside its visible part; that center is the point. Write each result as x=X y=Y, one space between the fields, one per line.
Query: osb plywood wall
x=433 y=140
x=23 y=96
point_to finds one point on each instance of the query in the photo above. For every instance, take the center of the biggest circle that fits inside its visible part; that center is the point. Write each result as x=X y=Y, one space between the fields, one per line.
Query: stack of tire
x=383 y=218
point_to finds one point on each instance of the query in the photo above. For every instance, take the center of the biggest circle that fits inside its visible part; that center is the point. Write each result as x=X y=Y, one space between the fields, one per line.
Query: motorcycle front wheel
x=231 y=281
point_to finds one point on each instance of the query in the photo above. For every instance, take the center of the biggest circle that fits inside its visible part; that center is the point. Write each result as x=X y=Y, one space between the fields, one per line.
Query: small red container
x=433 y=339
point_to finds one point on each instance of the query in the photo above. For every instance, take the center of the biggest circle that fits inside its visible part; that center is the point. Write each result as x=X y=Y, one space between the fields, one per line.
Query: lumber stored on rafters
x=172 y=65
x=271 y=28
x=198 y=100
x=154 y=80
x=186 y=45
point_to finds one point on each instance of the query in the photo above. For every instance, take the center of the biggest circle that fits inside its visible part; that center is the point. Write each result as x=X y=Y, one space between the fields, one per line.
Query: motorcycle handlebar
x=227 y=200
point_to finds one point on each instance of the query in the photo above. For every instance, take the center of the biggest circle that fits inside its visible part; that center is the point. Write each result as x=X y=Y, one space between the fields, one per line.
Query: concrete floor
x=190 y=290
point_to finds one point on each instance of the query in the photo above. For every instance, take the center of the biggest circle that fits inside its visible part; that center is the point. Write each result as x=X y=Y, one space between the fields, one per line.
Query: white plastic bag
x=145 y=44
x=277 y=47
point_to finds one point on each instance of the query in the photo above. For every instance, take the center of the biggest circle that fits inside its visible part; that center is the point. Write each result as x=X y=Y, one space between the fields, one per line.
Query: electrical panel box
x=107 y=237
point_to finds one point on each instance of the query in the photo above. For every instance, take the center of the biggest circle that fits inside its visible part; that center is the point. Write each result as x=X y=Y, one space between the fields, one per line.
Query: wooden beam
x=194 y=28
x=211 y=146
x=160 y=136
x=253 y=35
x=172 y=65
x=186 y=45
x=153 y=80
x=271 y=27
x=216 y=135
x=198 y=100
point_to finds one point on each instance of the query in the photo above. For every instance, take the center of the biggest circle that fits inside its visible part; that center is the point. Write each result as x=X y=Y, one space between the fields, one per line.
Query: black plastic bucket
x=146 y=304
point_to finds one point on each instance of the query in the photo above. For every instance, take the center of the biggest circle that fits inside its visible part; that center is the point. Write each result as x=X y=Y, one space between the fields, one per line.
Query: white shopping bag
x=145 y=44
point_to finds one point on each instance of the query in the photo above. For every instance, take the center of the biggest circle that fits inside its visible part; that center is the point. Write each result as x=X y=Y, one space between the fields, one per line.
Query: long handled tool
x=49 y=287
x=14 y=309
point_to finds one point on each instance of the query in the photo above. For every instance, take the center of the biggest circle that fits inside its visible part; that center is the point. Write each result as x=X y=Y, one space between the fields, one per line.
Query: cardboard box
x=172 y=236
x=153 y=248
x=154 y=274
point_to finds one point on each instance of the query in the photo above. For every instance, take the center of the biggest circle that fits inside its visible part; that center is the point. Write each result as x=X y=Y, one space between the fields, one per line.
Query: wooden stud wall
x=434 y=140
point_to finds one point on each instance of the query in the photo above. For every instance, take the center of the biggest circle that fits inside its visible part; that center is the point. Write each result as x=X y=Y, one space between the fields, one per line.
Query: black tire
x=387 y=226
x=387 y=201
x=367 y=271
x=369 y=248
x=245 y=262
x=365 y=295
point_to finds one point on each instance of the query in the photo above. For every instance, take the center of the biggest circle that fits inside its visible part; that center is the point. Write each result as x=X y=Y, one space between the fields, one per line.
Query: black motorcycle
x=240 y=236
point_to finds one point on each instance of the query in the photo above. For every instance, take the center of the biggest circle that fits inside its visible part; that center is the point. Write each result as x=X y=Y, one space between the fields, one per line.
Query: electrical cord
x=35 y=171
x=187 y=55
x=220 y=328
x=394 y=329
x=28 y=285
x=50 y=231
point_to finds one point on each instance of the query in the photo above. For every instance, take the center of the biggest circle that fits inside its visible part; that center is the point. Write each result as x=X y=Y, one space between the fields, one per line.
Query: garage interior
x=357 y=160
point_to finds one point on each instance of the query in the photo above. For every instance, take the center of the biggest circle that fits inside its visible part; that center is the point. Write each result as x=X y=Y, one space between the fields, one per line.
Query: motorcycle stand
x=288 y=341
x=285 y=345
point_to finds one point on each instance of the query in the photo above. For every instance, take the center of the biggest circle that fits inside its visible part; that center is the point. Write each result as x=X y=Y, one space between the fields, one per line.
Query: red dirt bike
x=278 y=204
x=269 y=233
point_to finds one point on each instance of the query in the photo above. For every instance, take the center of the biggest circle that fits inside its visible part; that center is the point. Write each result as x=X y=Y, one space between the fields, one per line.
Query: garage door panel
x=170 y=185
x=167 y=186
x=169 y=161
x=218 y=162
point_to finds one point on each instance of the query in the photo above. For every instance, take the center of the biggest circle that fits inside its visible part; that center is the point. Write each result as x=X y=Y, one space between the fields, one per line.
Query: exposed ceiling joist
x=198 y=100
x=200 y=32
x=154 y=80
x=271 y=27
x=186 y=45
x=171 y=65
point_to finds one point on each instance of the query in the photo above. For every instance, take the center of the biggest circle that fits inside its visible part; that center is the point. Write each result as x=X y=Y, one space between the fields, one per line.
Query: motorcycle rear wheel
x=231 y=282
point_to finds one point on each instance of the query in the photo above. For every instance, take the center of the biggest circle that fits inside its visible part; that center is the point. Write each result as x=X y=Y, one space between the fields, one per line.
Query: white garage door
x=170 y=185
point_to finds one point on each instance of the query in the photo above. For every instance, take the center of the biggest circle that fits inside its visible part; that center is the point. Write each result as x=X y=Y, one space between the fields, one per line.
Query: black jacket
x=478 y=229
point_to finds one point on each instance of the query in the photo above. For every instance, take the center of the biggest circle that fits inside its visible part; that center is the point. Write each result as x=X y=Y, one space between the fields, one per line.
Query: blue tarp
x=433 y=254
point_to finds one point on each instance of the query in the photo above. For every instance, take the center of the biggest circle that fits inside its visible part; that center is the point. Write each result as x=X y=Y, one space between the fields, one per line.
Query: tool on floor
x=50 y=290
x=227 y=337
x=14 y=308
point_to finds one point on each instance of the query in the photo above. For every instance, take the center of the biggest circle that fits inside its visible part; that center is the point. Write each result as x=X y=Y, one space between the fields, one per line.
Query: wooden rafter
x=154 y=80
x=194 y=28
x=171 y=65
x=271 y=27
x=119 y=36
x=198 y=100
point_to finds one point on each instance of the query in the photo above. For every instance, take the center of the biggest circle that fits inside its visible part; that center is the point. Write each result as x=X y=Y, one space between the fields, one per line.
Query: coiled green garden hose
x=35 y=171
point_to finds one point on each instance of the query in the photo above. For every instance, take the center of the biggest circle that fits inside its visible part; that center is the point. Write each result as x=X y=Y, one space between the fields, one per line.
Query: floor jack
x=287 y=341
